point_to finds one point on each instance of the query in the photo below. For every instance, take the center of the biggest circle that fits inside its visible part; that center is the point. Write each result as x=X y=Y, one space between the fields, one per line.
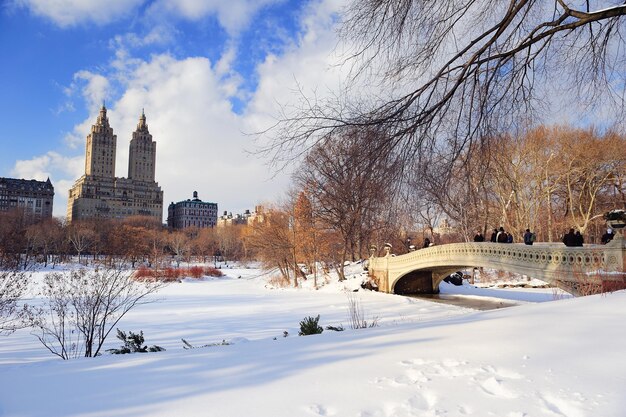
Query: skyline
x=208 y=76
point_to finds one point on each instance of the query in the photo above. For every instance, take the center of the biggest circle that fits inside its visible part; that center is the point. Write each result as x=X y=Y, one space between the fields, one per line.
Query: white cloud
x=48 y=165
x=201 y=144
x=309 y=66
x=67 y=13
x=233 y=15
x=96 y=89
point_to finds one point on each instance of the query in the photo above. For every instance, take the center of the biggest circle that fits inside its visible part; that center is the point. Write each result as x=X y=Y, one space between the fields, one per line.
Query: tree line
x=346 y=199
x=25 y=240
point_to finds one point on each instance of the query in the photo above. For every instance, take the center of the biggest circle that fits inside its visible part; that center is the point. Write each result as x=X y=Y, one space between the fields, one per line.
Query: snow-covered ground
x=564 y=357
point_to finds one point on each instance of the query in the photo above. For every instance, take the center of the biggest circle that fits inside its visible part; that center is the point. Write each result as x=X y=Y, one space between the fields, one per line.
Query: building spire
x=142 y=126
x=102 y=117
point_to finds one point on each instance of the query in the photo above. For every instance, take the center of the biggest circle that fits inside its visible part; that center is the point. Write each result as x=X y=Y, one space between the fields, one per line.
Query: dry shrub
x=144 y=272
x=586 y=284
x=614 y=285
x=175 y=274
x=164 y=275
x=558 y=294
x=213 y=272
x=80 y=308
x=279 y=281
x=356 y=316
x=171 y=273
x=195 y=272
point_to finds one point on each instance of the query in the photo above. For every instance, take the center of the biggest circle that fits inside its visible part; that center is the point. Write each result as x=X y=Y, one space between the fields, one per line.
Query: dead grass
x=278 y=281
x=356 y=315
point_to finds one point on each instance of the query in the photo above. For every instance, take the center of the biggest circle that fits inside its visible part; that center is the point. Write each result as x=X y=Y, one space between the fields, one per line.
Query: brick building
x=32 y=196
x=191 y=213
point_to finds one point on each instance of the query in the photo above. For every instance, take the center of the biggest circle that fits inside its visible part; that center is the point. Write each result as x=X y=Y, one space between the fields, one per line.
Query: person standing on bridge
x=479 y=237
x=579 y=240
x=607 y=237
x=570 y=238
x=494 y=235
x=427 y=243
x=529 y=237
x=502 y=237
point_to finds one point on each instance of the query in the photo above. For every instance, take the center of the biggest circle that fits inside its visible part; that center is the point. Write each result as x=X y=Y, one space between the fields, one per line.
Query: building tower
x=142 y=153
x=100 y=194
x=101 y=145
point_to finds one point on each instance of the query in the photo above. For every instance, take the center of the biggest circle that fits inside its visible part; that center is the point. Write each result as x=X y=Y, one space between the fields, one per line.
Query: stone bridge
x=578 y=270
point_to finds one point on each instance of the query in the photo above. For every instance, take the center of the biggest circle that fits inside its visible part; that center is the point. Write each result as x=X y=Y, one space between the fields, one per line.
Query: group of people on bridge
x=498 y=235
x=572 y=238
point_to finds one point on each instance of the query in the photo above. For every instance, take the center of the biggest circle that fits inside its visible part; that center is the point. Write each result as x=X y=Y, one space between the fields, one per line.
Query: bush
x=174 y=274
x=196 y=272
x=144 y=272
x=13 y=286
x=213 y=272
x=133 y=343
x=310 y=326
x=171 y=273
x=80 y=308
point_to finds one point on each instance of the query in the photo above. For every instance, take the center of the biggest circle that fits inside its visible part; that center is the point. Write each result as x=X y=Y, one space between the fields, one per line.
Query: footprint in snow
x=320 y=410
x=415 y=362
x=424 y=401
x=561 y=406
x=495 y=387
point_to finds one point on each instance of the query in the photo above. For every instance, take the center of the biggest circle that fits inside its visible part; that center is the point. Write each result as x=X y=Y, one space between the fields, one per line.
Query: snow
x=562 y=357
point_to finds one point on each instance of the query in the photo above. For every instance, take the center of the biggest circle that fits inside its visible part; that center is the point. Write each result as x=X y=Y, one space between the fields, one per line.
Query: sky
x=209 y=74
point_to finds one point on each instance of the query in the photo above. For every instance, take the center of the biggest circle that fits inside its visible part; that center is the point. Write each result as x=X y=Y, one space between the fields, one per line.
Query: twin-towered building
x=99 y=193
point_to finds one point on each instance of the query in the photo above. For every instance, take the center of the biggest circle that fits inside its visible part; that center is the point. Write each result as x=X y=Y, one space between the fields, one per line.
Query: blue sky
x=207 y=73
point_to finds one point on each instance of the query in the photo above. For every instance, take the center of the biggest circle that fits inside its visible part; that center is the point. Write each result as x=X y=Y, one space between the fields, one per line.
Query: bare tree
x=180 y=244
x=80 y=309
x=52 y=238
x=81 y=236
x=229 y=241
x=548 y=179
x=13 y=285
x=349 y=189
x=446 y=74
x=272 y=240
